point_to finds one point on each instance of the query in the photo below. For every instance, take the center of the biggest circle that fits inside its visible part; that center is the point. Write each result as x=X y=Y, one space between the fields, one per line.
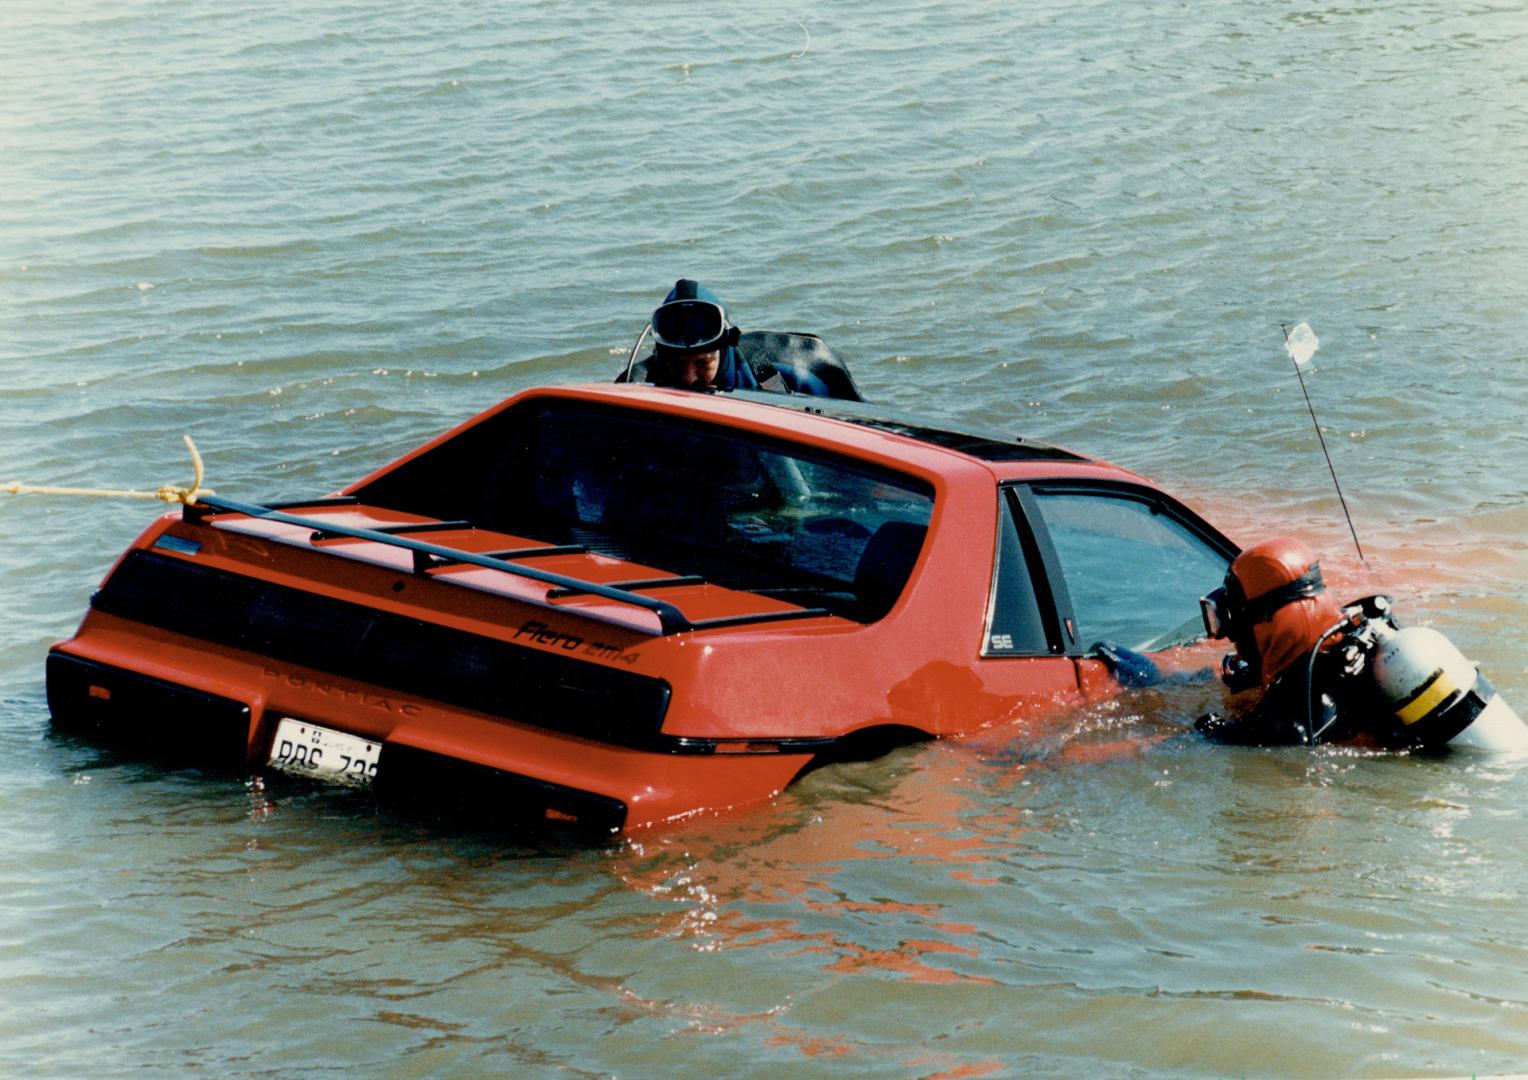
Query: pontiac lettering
x=343 y=693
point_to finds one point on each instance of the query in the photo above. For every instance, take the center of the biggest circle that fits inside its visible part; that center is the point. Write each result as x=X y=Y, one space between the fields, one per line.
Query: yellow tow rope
x=168 y=493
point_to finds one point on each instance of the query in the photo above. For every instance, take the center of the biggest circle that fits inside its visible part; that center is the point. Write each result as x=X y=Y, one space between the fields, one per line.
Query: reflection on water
x=1121 y=866
x=1042 y=864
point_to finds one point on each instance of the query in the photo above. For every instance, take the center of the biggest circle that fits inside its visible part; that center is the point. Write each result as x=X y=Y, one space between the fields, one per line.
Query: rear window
x=740 y=510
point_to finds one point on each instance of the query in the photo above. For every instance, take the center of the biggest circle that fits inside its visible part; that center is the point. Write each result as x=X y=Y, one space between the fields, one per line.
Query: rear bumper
x=189 y=727
x=187 y=702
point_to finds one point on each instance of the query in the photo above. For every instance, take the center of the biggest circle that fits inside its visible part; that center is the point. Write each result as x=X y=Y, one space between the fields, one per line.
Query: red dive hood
x=1280 y=631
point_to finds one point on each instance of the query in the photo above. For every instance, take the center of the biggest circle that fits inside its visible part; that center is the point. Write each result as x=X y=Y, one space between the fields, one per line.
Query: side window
x=1134 y=574
x=1014 y=623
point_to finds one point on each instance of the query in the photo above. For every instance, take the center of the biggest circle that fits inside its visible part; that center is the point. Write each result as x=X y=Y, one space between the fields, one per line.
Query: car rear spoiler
x=428 y=557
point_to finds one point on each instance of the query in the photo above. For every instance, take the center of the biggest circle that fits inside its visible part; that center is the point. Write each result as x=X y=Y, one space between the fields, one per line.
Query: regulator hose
x=1312 y=736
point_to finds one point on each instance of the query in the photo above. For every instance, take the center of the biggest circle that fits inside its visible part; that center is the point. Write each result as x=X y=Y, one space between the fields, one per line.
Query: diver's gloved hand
x=1212 y=725
x=1129 y=668
x=1236 y=673
x=1229 y=730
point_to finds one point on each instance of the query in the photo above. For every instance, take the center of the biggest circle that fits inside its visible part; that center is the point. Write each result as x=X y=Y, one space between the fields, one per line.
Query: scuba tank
x=1435 y=697
x=1440 y=698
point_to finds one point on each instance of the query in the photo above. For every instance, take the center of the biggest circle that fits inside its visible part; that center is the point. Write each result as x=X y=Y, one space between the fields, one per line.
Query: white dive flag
x=1301 y=343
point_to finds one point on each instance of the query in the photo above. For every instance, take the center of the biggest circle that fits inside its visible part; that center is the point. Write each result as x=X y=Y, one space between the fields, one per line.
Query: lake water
x=313 y=236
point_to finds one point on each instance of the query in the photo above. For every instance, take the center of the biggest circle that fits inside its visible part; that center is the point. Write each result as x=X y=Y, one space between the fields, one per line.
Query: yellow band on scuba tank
x=1436 y=692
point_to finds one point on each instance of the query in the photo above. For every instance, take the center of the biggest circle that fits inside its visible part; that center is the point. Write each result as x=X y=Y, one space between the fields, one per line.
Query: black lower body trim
x=490 y=798
x=156 y=717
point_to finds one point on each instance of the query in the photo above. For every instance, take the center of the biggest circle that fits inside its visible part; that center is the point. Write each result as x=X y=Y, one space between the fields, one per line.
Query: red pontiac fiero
x=617 y=605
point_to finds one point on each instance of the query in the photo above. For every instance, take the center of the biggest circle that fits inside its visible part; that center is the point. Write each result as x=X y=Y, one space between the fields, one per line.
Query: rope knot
x=170 y=493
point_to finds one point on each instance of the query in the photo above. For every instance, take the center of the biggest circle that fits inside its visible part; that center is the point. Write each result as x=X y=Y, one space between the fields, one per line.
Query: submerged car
x=615 y=605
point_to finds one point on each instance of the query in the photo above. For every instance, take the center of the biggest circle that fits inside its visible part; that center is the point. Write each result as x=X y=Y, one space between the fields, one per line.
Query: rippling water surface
x=313 y=238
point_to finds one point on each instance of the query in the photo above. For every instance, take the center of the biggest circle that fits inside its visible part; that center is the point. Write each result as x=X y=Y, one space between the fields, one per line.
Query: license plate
x=311 y=750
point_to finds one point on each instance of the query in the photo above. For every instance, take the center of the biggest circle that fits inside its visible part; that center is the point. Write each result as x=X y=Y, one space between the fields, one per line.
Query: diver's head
x=690 y=332
x=1272 y=605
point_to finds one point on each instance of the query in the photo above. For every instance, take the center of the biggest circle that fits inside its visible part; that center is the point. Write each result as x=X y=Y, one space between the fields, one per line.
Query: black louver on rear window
x=387 y=650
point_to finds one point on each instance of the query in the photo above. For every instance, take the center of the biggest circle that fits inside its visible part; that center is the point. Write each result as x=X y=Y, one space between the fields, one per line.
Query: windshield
x=737 y=509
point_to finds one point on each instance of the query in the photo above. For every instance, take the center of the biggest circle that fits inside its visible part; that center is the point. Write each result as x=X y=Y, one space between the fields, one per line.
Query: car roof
x=986 y=446
x=858 y=426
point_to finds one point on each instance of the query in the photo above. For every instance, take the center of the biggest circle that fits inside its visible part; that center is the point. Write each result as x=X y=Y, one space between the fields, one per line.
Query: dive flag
x=1301 y=343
